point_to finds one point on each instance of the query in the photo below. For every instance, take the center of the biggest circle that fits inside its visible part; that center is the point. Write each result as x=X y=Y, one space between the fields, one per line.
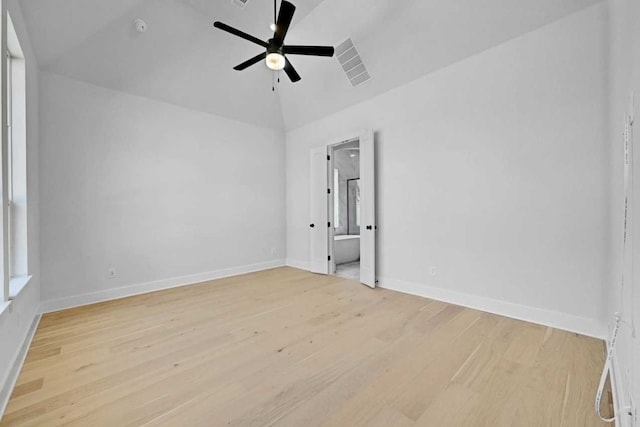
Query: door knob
x=312 y=225
x=369 y=227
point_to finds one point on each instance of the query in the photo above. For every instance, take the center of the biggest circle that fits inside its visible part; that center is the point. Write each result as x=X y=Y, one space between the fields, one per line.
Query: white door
x=319 y=212
x=367 y=210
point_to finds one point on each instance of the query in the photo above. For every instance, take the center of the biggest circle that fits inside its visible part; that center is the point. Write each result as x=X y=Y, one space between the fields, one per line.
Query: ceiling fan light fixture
x=275 y=61
x=275 y=48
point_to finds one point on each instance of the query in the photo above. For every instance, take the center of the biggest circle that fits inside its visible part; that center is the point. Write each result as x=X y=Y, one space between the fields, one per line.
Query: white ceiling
x=183 y=60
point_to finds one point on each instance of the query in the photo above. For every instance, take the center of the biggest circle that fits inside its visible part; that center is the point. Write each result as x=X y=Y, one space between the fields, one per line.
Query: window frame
x=14 y=164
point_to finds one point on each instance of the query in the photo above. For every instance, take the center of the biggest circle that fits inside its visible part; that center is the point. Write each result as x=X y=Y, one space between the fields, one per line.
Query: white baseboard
x=143 y=288
x=615 y=379
x=555 y=319
x=302 y=265
x=621 y=400
x=12 y=378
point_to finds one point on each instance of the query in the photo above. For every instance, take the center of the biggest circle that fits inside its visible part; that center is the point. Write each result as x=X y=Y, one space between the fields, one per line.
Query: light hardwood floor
x=285 y=347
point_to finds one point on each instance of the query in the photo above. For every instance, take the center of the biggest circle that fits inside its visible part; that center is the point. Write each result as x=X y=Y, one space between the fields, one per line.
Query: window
x=358 y=202
x=336 y=198
x=15 y=261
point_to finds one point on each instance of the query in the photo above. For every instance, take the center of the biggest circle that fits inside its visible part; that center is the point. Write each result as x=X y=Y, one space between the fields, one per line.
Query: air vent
x=351 y=63
x=240 y=3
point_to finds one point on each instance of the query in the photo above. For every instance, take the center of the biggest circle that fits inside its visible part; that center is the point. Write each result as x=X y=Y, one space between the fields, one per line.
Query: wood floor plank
x=284 y=347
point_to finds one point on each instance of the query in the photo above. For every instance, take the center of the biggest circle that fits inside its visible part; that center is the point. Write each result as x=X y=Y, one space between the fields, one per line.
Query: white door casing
x=320 y=232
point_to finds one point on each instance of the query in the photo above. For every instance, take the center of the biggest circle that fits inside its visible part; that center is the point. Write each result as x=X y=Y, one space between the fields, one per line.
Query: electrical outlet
x=274 y=251
x=112 y=273
x=433 y=270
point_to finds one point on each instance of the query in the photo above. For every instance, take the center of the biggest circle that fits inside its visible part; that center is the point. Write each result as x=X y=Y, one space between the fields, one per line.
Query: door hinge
x=328 y=157
x=328 y=191
x=329 y=224
x=329 y=257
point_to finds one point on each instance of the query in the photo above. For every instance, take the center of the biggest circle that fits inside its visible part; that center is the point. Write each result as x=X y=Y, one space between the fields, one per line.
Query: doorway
x=346 y=209
x=342 y=225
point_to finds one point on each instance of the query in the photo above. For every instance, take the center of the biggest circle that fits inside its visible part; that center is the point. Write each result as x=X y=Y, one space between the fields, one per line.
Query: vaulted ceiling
x=181 y=59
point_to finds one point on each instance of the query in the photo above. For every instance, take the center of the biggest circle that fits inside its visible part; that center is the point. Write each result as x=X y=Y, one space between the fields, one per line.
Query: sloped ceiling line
x=183 y=61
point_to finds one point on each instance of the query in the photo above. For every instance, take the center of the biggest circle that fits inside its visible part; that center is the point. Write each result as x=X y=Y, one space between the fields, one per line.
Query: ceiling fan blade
x=284 y=20
x=309 y=50
x=228 y=29
x=251 y=61
x=291 y=72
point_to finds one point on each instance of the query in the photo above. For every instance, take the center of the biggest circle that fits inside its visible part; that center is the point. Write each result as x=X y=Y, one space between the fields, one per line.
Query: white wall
x=624 y=61
x=495 y=171
x=16 y=320
x=156 y=191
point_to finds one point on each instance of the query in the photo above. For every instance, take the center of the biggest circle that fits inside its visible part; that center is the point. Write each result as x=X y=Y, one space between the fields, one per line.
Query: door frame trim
x=343 y=138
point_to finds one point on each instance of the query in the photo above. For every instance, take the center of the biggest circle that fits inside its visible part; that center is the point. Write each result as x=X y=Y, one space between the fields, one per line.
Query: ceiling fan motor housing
x=276 y=49
x=273 y=47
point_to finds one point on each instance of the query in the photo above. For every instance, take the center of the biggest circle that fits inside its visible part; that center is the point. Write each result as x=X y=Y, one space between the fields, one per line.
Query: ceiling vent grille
x=240 y=3
x=351 y=63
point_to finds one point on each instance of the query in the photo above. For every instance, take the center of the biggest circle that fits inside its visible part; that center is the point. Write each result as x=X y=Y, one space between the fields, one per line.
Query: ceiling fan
x=276 y=50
